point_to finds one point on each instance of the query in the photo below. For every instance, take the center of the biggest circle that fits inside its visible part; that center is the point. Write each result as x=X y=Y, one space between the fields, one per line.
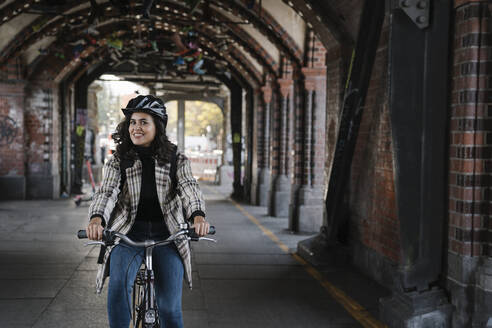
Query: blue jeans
x=168 y=270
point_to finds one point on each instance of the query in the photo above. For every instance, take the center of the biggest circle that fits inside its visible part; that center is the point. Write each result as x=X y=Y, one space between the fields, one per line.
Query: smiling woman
x=137 y=199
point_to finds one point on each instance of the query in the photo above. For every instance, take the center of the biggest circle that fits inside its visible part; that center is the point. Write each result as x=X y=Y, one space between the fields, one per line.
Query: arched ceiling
x=244 y=37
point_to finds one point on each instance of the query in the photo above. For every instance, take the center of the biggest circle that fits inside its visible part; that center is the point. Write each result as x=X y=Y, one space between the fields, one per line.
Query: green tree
x=201 y=114
x=198 y=115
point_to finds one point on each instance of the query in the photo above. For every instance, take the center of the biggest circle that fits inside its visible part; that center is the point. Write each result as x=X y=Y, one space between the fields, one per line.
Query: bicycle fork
x=150 y=312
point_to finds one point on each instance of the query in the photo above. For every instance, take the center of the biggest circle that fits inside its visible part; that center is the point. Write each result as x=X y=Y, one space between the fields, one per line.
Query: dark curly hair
x=161 y=147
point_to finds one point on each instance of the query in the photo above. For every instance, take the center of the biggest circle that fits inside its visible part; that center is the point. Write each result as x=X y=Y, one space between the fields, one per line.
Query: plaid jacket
x=119 y=209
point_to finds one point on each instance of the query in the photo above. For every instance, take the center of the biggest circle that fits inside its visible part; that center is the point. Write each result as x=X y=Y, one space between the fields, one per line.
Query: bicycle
x=144 y=307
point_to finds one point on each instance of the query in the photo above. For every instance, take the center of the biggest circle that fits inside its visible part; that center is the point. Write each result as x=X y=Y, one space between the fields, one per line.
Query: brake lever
x=206 y=238
x=95 y=243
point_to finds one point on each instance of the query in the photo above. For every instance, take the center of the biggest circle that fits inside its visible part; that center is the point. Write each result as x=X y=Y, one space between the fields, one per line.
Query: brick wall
x=319 y=117
x=12 y=134
x=12 y=70
x=335 y=63
x=372 y=189
x=12 y=158
x=373 y=221
x=12 y=119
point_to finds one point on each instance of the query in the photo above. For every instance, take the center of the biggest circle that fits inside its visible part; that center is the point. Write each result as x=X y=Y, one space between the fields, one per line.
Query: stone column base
x=306 y=210
x=280 y=197
x=247 y=191
x=237 y=191
x=483 y=296
x=263 y=187
x=12 y=188
x=262 y=195
x=225 y=175
x=320 y=252
x=429 y=309
x=42 y=187
x=253 y=196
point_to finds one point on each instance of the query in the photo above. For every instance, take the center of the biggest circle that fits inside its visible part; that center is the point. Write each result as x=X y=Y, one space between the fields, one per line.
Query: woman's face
x=142 y=129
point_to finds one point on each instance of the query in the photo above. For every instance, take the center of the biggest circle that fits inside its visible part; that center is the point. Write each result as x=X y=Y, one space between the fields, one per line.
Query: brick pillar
x=280 y=194
x=307 y=208
x=12 y=133
x=181 y=125
x=226 y=170
x=255 y=137
x=470 y=227
x=42 y=140
x=264 y=157
x=93 y=126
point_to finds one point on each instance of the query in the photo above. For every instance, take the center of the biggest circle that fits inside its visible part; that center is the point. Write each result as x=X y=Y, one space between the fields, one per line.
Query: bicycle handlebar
x=109 y=236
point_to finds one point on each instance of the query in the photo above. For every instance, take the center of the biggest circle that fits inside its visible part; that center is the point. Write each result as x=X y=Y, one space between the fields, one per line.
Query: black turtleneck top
x=148 y=205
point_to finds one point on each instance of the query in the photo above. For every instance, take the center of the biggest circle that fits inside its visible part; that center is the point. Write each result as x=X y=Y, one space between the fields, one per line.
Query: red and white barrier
x=204 y=165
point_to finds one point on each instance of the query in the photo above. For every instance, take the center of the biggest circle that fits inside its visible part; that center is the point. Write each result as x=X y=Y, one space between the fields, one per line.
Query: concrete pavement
x=244 y=280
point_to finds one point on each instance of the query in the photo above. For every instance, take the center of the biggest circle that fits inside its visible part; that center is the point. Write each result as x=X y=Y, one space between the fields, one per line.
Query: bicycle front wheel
x=139 y=308
x=138 y=299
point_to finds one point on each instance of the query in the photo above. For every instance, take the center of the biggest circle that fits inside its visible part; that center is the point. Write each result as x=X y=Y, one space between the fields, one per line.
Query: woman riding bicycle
x=140 y=197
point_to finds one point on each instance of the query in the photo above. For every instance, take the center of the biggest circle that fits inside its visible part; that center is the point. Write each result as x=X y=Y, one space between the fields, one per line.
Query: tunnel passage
x=368 y=125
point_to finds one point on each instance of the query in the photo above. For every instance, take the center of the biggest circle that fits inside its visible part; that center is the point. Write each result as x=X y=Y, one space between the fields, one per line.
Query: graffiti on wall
x=8 y=130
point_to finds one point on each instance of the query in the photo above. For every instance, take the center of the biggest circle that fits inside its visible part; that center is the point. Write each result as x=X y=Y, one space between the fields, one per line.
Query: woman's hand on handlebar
x=95 y=228
x=201 y=226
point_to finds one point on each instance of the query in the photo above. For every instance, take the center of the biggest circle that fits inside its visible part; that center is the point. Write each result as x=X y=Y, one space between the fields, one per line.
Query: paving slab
x=195 y=318
x=246 y=271
x=88 y=318
x=30 y=288
x=245 y=259
x=21 y=312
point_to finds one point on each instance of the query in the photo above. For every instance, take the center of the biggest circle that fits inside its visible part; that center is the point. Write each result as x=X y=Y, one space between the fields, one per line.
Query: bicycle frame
x=145 y=313
x=149 y=310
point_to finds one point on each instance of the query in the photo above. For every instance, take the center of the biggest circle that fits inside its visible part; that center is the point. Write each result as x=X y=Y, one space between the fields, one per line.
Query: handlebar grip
x=82 y=234
x=192 y=233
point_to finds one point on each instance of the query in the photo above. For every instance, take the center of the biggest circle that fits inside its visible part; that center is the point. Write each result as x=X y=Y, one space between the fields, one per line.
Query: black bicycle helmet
x=147 y=104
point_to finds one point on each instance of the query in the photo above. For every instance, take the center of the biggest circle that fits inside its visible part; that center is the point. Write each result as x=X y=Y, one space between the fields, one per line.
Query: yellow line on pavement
x=358 y=312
